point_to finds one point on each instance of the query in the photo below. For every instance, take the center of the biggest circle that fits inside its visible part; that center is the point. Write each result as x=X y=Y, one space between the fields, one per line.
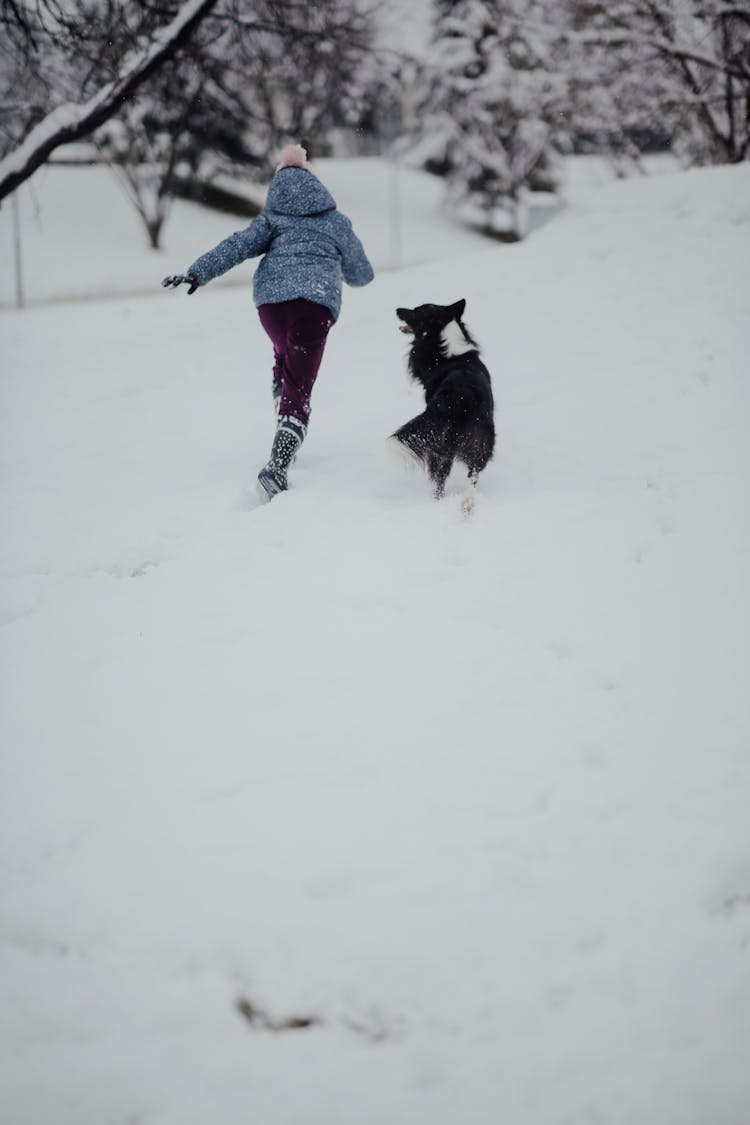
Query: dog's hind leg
x=470 y=493
x=439 y=469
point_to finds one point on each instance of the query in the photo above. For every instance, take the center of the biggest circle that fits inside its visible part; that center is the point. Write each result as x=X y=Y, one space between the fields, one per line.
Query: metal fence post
x=18 y=264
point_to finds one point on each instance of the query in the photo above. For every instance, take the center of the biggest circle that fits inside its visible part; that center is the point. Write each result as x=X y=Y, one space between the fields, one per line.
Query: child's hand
x=176 y=279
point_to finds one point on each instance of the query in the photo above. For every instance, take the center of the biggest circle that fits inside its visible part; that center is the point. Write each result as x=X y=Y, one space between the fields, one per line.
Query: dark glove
x=176 y=279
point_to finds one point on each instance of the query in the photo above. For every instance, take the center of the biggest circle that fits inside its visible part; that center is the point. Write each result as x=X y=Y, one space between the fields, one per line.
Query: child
x=308 y=247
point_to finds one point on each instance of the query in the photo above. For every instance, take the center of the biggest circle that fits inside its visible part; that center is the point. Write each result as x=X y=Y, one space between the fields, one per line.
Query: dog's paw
x=468 y=500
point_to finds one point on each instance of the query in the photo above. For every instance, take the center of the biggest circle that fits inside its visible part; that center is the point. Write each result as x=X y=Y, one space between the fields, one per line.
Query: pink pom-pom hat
x=293 y=156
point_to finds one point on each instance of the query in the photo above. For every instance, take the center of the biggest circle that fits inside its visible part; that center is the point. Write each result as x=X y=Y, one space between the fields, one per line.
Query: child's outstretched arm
x=247 y=243
x=176 y=279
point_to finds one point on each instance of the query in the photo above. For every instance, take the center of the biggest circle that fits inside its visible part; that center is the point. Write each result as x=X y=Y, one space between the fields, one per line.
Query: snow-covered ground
x=472 y=795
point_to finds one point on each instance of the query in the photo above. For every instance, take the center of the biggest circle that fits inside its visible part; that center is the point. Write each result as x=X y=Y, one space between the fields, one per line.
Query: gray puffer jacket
x=309 y=247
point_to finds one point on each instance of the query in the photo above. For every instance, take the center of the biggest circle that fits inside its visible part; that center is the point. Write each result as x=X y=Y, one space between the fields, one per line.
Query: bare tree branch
x=72 y=122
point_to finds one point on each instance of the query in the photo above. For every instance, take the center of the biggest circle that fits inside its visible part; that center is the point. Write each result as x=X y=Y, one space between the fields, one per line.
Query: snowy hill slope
x=472 y=795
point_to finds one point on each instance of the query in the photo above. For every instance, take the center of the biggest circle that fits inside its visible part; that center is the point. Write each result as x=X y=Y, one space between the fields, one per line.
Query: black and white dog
x=457 y=423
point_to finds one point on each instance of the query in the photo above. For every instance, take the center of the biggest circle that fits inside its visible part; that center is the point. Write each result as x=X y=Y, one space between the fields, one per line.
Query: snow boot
x=272 y=479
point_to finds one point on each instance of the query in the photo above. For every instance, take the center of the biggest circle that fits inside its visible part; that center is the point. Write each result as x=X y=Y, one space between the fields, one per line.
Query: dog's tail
x=421 y=435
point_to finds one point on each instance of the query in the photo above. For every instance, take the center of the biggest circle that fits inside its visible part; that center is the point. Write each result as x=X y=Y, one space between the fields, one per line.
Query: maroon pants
x=298 y=331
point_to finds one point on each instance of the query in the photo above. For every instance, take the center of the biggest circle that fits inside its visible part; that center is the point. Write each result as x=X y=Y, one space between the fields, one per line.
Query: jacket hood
x=294 y=191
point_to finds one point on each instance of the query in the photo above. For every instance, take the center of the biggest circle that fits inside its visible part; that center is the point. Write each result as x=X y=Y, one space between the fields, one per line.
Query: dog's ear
x=459 y=308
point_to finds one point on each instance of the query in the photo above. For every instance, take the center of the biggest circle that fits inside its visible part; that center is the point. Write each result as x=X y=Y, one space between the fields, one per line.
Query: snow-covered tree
x=276 y=72
x=212 y=93
x=152 y=140
x=66 y=66
x=495 y=113
x=678 y=69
